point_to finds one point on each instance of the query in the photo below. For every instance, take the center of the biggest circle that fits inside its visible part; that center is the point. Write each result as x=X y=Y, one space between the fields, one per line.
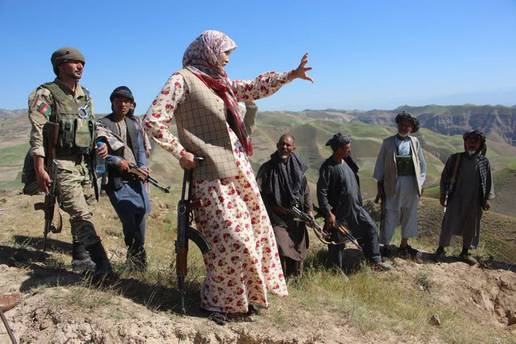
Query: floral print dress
x=244 y=261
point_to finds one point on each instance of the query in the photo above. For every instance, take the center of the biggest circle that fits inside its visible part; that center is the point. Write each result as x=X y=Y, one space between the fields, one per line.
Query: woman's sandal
x=218 y=317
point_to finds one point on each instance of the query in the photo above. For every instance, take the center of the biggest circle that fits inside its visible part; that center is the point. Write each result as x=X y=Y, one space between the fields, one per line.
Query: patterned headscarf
x=203 y=53
x=201 y=58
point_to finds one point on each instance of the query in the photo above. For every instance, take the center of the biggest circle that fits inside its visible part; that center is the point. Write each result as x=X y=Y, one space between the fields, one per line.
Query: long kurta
x=401 y=205
x=244 y=261
x=464 y=210
x=338 y=191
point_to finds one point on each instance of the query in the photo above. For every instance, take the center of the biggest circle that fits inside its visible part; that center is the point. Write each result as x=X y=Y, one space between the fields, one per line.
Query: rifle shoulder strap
x=455 y=168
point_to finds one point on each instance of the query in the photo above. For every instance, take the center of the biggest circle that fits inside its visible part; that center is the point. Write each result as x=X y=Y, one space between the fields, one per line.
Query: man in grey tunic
x=400 y=172
x=466 y=188
x=340 y=202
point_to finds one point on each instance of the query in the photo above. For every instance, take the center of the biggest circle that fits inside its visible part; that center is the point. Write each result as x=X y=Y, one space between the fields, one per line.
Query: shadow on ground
x=44 y=271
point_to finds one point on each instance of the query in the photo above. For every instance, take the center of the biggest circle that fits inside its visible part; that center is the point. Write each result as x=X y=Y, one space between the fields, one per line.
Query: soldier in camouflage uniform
x=66 y=102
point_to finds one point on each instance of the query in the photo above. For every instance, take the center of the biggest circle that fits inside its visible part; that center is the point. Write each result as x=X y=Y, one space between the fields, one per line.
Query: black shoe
x=468 y=258
x=386 y=251
x=408 y=252
x=440 y=254
x=381 y=266
x=103 y=270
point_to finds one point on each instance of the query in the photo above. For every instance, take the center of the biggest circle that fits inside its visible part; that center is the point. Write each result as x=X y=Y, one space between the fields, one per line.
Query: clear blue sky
x=365 y=54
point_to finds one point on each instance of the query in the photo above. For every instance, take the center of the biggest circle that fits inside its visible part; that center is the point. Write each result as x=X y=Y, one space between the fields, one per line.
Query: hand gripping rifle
x=380 y=198
x=185 y=232
x=300 y=215
x=145 y=177
x=452 y=182
x=53 y=220
x=319 y=231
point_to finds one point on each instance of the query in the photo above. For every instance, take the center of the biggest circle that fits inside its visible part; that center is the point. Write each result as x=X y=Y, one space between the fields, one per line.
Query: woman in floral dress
x=243 y=263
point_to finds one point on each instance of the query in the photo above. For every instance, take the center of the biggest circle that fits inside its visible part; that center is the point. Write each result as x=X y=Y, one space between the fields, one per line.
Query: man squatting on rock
x=283 y=185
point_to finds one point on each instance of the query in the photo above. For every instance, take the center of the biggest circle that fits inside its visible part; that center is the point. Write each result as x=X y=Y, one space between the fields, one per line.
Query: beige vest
x=390 y=174
x=202 y=130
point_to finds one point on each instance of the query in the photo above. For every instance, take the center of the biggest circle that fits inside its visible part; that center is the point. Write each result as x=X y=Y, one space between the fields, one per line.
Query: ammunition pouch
x=75 y=136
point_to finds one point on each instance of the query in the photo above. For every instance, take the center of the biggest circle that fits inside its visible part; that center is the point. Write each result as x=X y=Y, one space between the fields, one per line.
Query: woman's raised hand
x=300 y=71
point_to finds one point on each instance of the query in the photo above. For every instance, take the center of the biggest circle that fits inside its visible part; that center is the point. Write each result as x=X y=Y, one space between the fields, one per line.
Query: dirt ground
x=58 y=306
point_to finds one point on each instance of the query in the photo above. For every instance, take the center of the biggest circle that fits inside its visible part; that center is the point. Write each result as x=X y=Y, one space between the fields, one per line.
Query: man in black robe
x=466 y=188
x=340 y=202
x=283 y=185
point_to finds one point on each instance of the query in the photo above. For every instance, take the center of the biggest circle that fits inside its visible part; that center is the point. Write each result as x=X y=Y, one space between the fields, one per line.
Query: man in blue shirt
x=126 y=192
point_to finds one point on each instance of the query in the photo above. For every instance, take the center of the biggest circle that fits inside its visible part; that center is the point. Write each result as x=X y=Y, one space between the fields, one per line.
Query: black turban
x=338 y=140
x=476 y=134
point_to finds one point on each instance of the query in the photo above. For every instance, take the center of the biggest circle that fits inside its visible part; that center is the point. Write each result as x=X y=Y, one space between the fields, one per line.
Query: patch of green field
x=13 y=155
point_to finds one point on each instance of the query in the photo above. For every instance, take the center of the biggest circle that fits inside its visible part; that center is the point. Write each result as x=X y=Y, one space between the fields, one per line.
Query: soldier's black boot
x=81 y=260
x=103 y=270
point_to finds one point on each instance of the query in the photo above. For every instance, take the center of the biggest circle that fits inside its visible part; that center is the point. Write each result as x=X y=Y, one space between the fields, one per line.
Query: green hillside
x=312 y=132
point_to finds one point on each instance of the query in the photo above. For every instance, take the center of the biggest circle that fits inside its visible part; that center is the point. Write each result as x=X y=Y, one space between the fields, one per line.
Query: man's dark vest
x=131 y=135
x=76 y=121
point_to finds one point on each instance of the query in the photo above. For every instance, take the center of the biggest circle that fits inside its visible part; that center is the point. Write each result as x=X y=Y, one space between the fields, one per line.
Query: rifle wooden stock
x=343 y=230
x=145 y=177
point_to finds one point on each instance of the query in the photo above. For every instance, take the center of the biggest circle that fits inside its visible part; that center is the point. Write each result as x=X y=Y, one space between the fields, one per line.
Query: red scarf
x=226 y=94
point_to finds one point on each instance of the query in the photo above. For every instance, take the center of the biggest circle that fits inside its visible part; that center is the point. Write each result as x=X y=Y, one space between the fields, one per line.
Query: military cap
x=65 y=54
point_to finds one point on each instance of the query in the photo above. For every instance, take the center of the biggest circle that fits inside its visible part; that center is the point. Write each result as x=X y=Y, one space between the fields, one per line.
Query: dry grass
x=371 y=303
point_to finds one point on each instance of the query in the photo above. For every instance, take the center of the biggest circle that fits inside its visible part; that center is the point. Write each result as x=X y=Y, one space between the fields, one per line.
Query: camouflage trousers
x=76 y=197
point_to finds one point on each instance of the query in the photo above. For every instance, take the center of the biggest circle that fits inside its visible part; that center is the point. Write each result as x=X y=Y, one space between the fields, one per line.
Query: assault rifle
x=185 y=232
x=144 y=176
x=319 y=231
x=53 y=220
x=452 y=182
x=380 y=198
x=6 y=324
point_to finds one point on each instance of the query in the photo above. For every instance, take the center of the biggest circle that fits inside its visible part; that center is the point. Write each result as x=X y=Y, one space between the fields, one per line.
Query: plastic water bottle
x=101 y=163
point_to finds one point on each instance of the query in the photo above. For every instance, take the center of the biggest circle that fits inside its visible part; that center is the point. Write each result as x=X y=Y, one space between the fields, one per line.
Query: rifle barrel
x=7 y=327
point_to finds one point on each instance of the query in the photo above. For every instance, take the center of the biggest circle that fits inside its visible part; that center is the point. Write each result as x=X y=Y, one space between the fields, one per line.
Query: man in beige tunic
x=400 y=172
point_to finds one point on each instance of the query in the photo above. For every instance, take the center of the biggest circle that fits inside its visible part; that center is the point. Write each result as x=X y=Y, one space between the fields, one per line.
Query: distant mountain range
x=498 y=122
x=440 y=136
